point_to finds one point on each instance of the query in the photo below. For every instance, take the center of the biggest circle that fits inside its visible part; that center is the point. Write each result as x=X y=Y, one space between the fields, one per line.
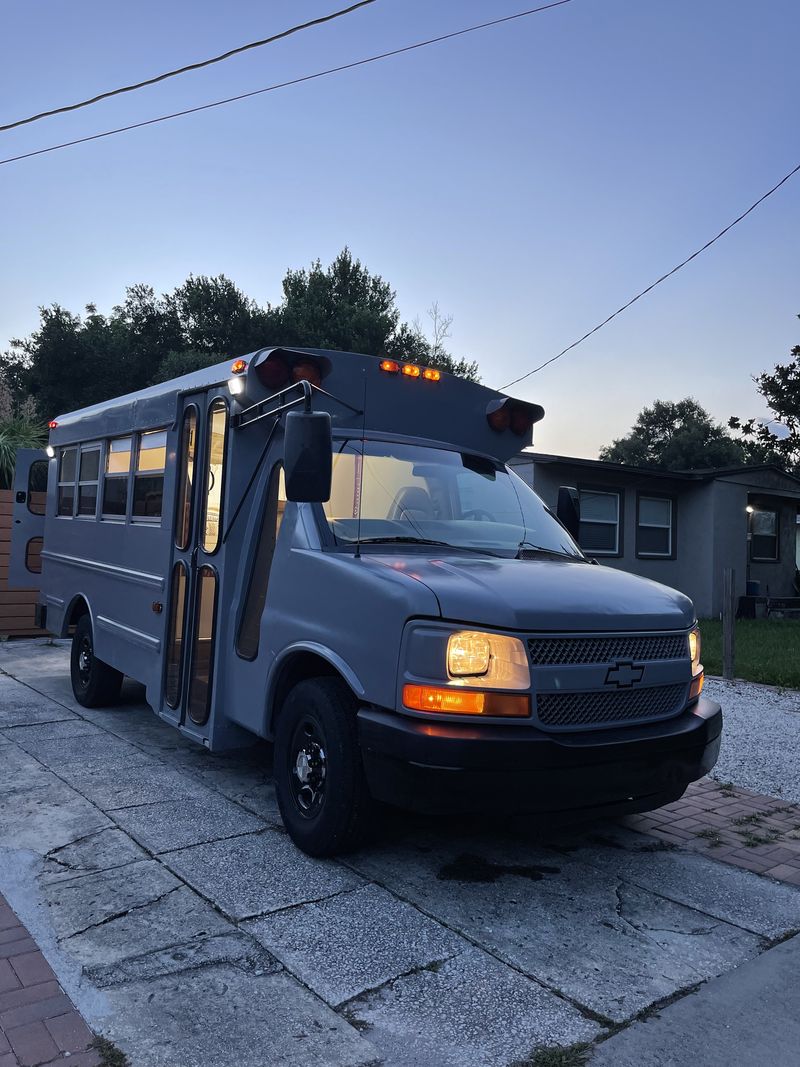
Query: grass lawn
x=765 y=651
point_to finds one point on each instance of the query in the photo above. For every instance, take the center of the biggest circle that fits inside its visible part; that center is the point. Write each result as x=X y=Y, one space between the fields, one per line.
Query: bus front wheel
x=94 y=683
x=319 y=777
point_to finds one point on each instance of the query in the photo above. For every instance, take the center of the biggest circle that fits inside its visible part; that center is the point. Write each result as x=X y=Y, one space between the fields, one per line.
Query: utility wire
x=283 y=85
x=190 y=66
x=658 y=281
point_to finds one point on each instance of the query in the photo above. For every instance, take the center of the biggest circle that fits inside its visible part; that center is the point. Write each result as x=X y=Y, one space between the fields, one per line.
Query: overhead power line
x=286 y=84
x=658 y=281
x=190 y=66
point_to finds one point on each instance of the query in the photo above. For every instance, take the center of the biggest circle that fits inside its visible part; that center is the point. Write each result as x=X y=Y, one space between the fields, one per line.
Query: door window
x=203 y=646
x=175 y=645
x=37 y=486
x=211 y=523
x=183 y=522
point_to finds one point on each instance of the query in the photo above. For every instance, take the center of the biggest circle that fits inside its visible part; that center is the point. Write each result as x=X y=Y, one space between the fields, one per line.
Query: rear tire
x=94 y=683
x=319 y=775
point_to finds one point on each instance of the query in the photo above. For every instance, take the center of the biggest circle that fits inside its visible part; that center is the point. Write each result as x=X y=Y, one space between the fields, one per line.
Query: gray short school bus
x=327 y=550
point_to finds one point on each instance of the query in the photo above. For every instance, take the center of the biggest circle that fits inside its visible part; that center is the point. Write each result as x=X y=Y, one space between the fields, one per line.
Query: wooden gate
x=16 y=605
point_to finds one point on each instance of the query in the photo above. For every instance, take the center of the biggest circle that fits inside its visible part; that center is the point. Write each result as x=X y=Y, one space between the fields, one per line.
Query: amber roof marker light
x=390 y=366
x=411 y=370
x=431 y=374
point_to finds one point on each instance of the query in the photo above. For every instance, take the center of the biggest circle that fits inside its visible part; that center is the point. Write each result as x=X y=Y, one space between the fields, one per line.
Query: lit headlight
x=491 y=661
x=694 y=649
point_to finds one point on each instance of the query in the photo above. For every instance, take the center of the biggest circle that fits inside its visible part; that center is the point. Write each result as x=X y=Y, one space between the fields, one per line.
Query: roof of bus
x=451 y=408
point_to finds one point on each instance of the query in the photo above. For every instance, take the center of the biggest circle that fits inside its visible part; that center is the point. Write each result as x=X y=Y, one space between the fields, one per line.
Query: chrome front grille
x=574 y=710
x=601 y=649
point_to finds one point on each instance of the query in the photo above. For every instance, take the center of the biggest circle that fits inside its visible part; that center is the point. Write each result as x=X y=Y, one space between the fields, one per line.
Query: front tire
x=319 y=776
x=94 y=683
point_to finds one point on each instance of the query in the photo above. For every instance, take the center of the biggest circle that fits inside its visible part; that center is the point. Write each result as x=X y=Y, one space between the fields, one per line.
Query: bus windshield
x=413 y=493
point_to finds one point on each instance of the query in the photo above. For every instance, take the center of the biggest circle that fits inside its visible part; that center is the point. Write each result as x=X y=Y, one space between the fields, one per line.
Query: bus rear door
x=27 y=518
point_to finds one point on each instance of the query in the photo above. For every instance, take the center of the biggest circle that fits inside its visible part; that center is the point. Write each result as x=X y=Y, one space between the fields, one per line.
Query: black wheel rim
x=308 y=767
x=84 y=662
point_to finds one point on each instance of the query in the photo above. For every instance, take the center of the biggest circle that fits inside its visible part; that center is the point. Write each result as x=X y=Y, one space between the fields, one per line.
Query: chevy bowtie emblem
x=624 y=674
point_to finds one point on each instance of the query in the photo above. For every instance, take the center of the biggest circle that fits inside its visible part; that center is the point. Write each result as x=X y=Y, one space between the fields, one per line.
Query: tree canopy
x=781 y=390
x=71 y=361
x=676 y=436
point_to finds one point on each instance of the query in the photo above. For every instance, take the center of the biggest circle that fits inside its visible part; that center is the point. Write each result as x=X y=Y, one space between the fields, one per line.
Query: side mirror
x=569 y=509
x=308 y=456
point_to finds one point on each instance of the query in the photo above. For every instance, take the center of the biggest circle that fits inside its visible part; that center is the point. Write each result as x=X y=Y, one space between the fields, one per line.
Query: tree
x=675 y=436
x=781 y=390
x=73 y=360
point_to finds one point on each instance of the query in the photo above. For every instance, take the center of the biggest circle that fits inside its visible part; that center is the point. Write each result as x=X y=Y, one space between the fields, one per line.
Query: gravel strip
x=760 y=737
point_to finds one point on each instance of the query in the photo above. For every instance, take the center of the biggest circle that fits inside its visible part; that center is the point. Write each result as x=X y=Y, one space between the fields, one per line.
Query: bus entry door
x=194 y=582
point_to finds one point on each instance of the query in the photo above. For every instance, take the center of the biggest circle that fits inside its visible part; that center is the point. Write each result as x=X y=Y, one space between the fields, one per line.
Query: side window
x=88 y=479
x=148 y=479
x=115 y=484
x=599 y=529
x=212 y=504
x=67 y=469
x=654 y=527
x=37 y=486
x=256 y=597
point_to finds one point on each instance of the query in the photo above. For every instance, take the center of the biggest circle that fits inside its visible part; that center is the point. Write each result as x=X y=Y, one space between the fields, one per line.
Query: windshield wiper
x=547 y=551
x=405 y=540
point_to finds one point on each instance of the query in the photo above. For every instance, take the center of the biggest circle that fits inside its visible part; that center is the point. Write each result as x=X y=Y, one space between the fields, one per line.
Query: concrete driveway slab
x=100 y=851
x=760 y=905
x=97 y=898
x=97 y=746
x=44 y=813
x=471 y=1010
x=221 y=1015
x=139 y=780
x=48 y=731
x=747 y=1018
x=249 y=876
x=168 y=826
x=21 y=706
x=177 y=917
x=200 y=951
x=607 y=944
x=354 y=942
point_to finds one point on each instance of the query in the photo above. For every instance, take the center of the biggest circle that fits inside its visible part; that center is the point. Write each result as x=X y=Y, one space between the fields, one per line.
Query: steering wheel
x=479 y=514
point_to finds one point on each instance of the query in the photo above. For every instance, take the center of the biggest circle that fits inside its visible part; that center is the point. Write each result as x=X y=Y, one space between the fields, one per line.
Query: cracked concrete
x=185 y=925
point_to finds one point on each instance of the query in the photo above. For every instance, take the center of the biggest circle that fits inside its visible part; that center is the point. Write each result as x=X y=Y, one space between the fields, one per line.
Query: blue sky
x=531 y=178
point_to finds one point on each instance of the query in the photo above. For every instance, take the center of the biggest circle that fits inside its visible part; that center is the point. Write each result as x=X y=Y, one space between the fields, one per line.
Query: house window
x=764 y=534
x=148 y=480
x=115 y=485
x=599 y=529
x=654 y=527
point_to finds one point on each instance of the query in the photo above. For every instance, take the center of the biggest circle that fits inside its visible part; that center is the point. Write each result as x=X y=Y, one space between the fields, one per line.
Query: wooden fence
x=16 y=605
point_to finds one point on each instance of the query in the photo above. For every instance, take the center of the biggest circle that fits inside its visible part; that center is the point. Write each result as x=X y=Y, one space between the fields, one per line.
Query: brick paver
x=39 y=1026
x=731 y=824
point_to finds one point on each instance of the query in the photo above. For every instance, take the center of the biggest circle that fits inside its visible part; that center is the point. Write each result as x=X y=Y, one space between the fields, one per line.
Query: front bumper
x=440 y=767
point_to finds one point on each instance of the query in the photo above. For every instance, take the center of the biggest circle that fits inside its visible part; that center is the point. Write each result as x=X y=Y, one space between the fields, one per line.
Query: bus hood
x=545 y=594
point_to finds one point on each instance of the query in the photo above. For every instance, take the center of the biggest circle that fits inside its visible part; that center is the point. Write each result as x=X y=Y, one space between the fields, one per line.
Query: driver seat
x=412 y=503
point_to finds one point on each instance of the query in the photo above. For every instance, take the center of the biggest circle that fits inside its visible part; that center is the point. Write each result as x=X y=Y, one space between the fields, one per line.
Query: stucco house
x=682 y=528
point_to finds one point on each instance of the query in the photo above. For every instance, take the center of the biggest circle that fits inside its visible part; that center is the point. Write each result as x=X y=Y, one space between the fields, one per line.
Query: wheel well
x=297 y=667
x=75 y=611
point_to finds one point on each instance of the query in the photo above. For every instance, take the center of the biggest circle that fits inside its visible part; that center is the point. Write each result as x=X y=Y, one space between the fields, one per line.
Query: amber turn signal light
x=456 y=701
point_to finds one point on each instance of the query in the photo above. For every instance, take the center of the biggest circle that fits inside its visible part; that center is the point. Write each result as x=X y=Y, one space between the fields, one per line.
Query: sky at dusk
x=531 y=178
